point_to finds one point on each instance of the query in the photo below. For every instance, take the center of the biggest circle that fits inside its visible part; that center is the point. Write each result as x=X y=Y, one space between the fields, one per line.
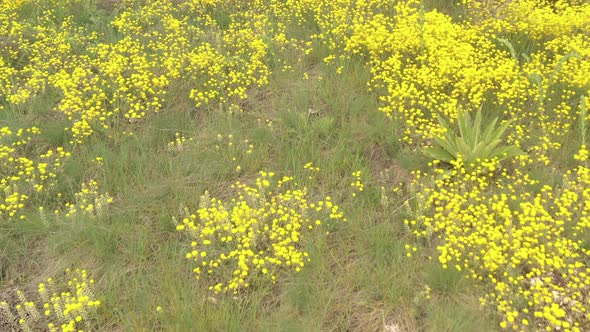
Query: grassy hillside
x=268 y=165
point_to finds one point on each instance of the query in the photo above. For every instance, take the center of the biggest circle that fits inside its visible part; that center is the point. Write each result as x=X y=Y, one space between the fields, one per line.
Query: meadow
x=294 y=165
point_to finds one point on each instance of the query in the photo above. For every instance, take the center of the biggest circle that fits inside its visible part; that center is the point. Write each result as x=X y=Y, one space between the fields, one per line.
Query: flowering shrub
x=63 y=305
x=160 y=45
x=530 y=245
x=89 y=202
x=22 y=173
x=422 y=61
x=258 y=233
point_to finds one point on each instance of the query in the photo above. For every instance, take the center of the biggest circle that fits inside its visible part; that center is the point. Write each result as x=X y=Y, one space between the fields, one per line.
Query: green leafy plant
x=473 y=143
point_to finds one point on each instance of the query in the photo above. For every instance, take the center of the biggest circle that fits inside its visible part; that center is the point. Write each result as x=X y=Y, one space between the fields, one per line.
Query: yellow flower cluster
x=311 y=169
x=161 y=45
x=88 y=202
x=424 y=63
x=218 y=61
x=540 y=19
x=6 y=73
x=257 y=233
x=138 y=88
x=15 y=4
x=582 y=154
x=357 y=185
x=62 y=306
x=22 y=174
x=528 y=243
x=43 y=50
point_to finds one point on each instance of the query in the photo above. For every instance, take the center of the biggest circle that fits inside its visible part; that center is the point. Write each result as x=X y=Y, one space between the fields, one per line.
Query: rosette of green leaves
x=473 y=143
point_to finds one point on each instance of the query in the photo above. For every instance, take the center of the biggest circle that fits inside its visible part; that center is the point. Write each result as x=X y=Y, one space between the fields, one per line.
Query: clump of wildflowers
x=357 y=184
x=23 y=173
x=582 y=154
x=311 y=170
x=530 y=247
x=89 y=201
x=61 y=305
x=258 y=233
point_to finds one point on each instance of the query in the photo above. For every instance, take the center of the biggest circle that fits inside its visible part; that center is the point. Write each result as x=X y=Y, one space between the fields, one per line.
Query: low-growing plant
x=258 y=233
x=530 y=248
x=89 y=202
x=474 y=144
x=62 y=305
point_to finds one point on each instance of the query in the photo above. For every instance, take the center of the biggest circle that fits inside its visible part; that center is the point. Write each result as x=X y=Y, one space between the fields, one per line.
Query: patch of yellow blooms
x=159 y=46
x=62 y=306
x=357 y=185
x=526 y=239
x=260 y=232
x=24 y=174
x=424 y=63
x=88 y=202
